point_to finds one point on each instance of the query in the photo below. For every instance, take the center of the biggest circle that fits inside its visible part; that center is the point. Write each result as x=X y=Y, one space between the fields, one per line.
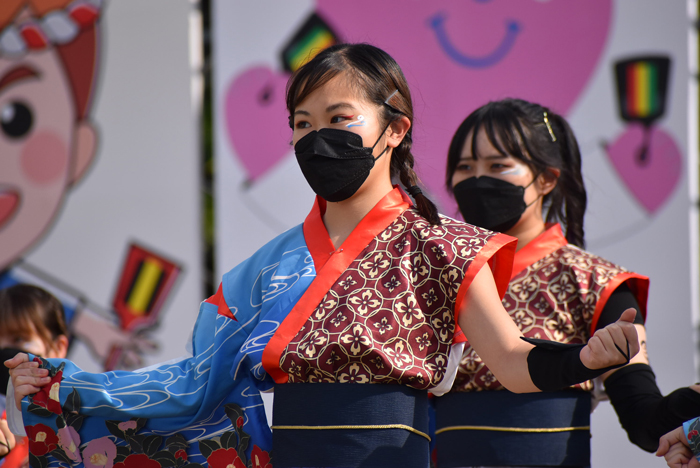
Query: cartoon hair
x=79 y=59
x=376 y=76
x=77 y=51
x=25 y=308
x=541 y=139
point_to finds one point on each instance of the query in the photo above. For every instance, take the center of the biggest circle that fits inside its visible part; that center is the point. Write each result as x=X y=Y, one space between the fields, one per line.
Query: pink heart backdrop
x=456 y=55
x=653 y=181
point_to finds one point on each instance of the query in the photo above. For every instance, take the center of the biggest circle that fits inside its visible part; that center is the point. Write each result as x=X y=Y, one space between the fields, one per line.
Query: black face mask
x=334 y=162
x=5 y=354
x=490 y=203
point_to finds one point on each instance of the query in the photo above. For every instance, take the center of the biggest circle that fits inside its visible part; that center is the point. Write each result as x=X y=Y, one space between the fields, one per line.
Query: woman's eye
x=340 y=118
x=464 y=167
x=301 y=124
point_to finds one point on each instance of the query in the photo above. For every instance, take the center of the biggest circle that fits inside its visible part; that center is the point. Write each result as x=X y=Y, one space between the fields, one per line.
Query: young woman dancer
x=31 y=320
x=368 y=290
x=515 y=167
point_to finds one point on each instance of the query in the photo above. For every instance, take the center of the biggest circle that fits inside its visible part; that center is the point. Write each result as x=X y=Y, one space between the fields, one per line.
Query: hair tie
x=414 y=191
x=386 y=102
x=549 y=127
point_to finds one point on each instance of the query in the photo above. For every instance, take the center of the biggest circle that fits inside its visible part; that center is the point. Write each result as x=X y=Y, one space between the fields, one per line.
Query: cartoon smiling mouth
x=437 y=23
x=9 y=201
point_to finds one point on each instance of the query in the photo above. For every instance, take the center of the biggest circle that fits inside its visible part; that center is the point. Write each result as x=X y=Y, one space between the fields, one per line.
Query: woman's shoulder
x=449 y=229
x=290 y=242
x=584 y=262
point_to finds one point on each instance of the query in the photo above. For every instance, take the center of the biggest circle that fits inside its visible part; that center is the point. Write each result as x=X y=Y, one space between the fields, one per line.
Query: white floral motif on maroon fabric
x=389 y=318
x=552 y=299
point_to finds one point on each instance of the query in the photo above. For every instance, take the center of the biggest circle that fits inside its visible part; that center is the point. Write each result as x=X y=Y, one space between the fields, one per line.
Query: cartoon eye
x=16 y=119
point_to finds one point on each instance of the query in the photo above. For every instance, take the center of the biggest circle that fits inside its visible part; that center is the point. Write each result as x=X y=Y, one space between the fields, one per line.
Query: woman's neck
x=527 y=232
x=341 y=218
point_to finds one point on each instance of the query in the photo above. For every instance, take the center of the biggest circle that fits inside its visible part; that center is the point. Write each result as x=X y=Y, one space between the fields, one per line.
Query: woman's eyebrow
x=339 y=105
x=491 y=156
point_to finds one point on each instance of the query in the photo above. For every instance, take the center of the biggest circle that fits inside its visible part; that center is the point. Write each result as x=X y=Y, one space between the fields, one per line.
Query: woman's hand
x=673 y=446
x=606 y=346
x=7 y=439
x=27 y=377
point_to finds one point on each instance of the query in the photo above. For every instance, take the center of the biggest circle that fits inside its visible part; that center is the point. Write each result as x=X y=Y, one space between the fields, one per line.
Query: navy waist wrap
x=500 y=428
x=349 y=425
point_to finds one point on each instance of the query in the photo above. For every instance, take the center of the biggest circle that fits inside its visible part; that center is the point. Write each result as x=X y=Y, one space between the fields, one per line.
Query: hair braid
x=572 y=188
x=402 y=161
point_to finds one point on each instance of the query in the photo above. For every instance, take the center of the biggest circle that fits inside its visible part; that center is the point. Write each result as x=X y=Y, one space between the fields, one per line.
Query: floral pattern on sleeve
x=130 y=444
x=692 y=433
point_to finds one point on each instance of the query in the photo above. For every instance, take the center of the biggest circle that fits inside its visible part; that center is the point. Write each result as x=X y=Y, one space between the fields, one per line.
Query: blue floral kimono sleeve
x=190 y=412
x=691 y=429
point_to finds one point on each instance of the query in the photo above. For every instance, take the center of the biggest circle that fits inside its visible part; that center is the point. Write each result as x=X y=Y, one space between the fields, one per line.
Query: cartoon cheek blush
x=47 y=71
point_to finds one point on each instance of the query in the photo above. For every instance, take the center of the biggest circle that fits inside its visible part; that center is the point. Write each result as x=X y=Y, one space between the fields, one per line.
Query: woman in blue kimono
x=371 y=289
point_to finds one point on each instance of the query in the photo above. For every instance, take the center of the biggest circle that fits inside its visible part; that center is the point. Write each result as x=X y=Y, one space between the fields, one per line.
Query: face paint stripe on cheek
x=516 y=170
x=44 y=158
x=360 y=122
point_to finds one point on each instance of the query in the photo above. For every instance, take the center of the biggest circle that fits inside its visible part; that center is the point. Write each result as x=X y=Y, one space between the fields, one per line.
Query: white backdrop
x=260 y=191
x=143 y=185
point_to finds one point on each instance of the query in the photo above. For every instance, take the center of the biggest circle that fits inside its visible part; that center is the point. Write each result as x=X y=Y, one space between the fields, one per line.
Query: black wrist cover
x=643 y=411
x=554 y=366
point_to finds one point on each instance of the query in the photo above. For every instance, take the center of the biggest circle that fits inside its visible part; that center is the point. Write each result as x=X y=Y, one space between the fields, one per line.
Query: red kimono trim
x=382 y=307
x=557 y=292
x=329 y=264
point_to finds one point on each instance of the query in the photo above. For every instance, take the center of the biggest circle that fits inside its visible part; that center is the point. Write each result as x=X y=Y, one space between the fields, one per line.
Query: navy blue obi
x=500 y=428
x=349 y=425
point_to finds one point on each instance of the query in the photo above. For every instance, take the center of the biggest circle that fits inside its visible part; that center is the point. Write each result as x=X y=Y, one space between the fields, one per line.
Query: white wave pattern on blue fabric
x=188 y=396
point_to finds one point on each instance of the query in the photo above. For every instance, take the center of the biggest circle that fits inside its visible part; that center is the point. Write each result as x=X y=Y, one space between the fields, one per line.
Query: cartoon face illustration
x=456 y=57
x=45 y=142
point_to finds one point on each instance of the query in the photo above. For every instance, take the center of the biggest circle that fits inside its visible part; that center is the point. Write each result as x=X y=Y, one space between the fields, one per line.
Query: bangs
x=19 y=323
x=301 y=85
x=356 y=62
x=22 y=314
x=504 y=131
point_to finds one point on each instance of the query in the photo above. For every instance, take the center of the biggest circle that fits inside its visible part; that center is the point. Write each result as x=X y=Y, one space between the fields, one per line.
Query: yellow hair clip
x=549 y=127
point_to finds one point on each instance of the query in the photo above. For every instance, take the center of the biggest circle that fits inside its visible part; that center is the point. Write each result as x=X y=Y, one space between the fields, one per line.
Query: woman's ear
x=397 y=131
x=548 y=180
x=60 y=347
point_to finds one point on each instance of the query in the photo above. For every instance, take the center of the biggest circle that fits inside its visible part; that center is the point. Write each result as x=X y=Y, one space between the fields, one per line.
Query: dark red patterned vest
x=557 y=293
x=389 y=318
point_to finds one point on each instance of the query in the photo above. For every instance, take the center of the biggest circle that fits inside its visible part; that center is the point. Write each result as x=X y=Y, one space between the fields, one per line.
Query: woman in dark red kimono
x=509 y=163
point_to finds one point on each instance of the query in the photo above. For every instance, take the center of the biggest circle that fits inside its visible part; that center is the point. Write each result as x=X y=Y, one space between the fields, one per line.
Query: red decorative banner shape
x=144 y=284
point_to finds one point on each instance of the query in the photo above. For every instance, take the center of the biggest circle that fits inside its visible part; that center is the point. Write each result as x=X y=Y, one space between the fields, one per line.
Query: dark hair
x=518 y=128
x=25 y=308
x=376 y=76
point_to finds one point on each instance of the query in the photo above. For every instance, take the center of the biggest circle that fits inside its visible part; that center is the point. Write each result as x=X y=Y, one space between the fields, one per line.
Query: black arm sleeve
x=643 y=411
x=619 y=301
x=555 y=366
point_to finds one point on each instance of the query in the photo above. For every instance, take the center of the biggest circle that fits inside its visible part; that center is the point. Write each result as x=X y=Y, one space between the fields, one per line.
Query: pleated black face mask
x=491 y=203
x=334 y=162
